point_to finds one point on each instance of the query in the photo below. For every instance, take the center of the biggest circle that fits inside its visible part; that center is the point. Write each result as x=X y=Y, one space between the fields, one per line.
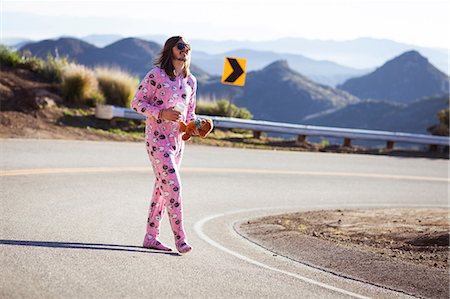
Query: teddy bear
x=204 y=126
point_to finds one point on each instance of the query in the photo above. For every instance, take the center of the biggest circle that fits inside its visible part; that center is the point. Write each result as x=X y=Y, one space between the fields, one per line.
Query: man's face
x=181 y=50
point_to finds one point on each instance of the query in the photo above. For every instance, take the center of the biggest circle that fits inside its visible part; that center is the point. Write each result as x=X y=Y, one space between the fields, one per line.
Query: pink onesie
x=164 y=144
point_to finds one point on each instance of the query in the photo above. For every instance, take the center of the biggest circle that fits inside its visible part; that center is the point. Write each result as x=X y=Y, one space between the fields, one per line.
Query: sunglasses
x=182 y=46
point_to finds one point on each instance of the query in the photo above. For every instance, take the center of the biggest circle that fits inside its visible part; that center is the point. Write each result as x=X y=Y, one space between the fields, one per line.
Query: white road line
x=42 y=171
x=198 y=227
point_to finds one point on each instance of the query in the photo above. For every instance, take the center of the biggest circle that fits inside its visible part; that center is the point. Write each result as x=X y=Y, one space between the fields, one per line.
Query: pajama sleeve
x=141 y=100
x=193 y=101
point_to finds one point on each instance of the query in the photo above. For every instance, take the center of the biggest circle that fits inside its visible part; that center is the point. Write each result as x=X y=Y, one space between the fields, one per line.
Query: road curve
x=73 y=218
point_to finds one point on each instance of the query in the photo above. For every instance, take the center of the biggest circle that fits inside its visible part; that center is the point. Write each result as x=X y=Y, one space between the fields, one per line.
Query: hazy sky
x=423 y=23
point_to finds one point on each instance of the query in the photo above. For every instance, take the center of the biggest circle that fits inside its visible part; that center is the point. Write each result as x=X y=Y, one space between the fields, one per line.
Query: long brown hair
x=164 y=60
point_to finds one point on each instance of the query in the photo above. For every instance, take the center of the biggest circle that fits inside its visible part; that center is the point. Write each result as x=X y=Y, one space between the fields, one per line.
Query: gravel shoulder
x=406 y=250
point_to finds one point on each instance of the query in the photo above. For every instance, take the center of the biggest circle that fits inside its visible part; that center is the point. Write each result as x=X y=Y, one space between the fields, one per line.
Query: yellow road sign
x=234 y=71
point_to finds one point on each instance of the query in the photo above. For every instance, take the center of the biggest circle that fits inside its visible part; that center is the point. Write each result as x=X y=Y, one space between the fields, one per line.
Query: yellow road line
x=71 y=170
x=41 y=171
x=316 y=173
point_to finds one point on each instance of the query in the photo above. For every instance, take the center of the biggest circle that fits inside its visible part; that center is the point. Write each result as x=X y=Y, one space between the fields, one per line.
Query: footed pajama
x=164 y=144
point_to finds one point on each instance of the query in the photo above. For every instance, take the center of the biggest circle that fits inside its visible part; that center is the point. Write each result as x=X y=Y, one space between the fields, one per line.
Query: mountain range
x=414 y=117
x=279 y=93
x=324 y=72
x=135 y=55
x=130 y=54
x=362 y=53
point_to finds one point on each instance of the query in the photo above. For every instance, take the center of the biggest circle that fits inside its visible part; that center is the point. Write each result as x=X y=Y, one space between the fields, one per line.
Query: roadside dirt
x=401 y=249
x=33 y=109
x=48 y=124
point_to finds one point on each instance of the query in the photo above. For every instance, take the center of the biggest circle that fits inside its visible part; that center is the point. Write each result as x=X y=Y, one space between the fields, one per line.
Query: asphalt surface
x=74 y=213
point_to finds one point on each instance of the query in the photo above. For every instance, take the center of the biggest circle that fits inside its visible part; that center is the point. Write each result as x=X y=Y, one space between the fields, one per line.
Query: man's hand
x=170 y=114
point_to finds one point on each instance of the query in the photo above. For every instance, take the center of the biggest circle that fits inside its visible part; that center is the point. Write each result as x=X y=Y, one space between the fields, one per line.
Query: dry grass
x=117 y=86
x=79 y=85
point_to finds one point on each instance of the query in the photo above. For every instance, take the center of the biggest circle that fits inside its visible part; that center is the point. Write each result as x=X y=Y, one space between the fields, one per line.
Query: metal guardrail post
x=301 y=139
x=347 y=142
x=390 y=145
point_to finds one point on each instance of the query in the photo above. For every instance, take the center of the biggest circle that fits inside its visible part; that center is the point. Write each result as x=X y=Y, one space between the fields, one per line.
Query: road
x=74 y=215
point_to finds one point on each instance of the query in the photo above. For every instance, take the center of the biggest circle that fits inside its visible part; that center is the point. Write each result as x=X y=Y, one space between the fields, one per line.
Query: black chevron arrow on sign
x=237 y=71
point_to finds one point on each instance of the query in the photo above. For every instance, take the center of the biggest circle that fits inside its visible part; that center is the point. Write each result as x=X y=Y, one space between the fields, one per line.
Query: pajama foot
x=183 y=247
x=154 y=243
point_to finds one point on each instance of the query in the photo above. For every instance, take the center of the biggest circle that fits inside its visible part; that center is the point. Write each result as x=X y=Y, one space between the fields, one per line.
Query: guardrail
x=302 y=131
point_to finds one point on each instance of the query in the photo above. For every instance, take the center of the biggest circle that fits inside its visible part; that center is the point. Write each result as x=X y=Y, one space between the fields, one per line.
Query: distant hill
x=136 y=55
x=278 y=93
x=360 y=53
x=15 y=42
x=64 y=46
x=415 y=117
x=323 y=72
x=102 y=40
x=403 y=79
x=130 y=54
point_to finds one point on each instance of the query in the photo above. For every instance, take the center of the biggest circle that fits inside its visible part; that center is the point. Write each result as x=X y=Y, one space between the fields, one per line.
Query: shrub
x=324 y=143
x=34 y=64
x=444 y=116
x=222 y=108
x=206 y=107
x=10 y=58
x=441 y=129
x=16 y=59
x=52 y=69
x=79 y=85
x=117 y=86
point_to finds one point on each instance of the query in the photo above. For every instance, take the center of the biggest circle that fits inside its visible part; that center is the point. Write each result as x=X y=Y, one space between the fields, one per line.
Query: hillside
x=32 y=108
x=64 y=46
x=415 y=117
x=403 y=79
x=278 y=93
x=136 y=55
x=323 y=72
x=130 y=54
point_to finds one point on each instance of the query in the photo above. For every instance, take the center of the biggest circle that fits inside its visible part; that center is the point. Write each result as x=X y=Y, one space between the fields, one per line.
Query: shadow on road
x=92 y=246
